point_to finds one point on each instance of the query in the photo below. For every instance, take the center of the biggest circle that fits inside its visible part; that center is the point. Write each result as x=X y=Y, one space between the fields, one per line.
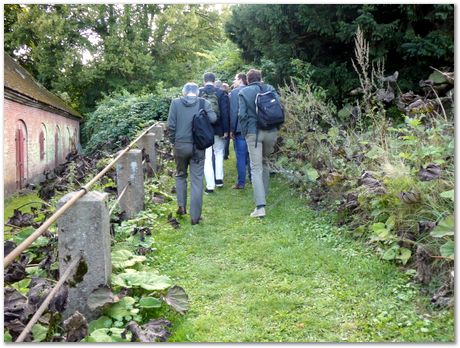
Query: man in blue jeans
x=239 y=142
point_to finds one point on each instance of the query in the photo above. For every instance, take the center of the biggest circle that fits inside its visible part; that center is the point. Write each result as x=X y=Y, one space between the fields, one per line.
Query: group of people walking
x=233 y=116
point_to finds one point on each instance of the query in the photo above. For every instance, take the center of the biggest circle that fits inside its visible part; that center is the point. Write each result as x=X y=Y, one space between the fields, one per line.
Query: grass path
x=290 y=277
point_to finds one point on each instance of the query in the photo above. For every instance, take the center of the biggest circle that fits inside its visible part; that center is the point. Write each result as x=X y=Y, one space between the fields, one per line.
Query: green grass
x=290 y=277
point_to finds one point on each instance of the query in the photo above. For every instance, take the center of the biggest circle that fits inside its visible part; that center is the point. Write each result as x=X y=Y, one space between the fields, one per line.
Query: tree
x=409 y=37
x=83 y=52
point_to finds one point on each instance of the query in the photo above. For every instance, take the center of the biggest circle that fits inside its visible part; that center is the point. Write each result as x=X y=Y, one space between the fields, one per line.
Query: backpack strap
x=201 y=104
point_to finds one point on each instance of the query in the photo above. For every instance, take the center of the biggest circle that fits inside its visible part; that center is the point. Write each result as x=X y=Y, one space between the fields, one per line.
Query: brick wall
x=35 y=120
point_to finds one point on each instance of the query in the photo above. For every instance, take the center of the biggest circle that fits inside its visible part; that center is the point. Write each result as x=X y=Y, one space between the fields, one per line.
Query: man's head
x=240 y=79
x=209 y=77
x=190 y=89
x=225 y=87
x=254 y=75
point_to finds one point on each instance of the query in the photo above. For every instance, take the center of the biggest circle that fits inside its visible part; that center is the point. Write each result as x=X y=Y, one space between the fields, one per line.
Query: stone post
x=84 y=229
x=147 y=142
x=158 y=131
x=129 y=170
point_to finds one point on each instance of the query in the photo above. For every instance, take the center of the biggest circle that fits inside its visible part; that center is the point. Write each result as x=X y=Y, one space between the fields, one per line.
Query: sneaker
x=219 y=183
x=258 y=212
x=238 y=187
x=208 y=191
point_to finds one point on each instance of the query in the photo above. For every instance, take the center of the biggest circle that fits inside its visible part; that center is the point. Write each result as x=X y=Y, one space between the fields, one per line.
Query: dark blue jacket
x=235 y=126
x=223 y=123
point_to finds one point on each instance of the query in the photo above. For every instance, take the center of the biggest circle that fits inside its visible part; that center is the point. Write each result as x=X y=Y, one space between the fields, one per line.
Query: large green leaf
x=39 y=332
x=108 y=335
x=391 y=253
x=404 y=255
x=102 y=322
x=124 y=258
x=145 y=280
x=122 y=309
x=150 y=302
x=448 y=250
x=444 y=228
x=177 y=298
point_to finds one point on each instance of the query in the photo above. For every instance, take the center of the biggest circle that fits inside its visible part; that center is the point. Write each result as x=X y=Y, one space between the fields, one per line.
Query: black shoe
x=195 y=222
x=219 y=183
x=207 y=191
x=181 y=211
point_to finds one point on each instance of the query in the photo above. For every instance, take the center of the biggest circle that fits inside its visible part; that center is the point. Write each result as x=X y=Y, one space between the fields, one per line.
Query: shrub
x=118 y=118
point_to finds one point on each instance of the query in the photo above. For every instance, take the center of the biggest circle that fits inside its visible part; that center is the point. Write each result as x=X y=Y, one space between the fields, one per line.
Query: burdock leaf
x=177 y=298
x=39 y=332
x=124 y=258
x=444 y=228
x=447 y=250
x=145 y=280
x=149 y=302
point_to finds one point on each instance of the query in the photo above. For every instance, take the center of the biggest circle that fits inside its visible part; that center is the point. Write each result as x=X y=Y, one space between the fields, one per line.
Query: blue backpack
x=270 y=112
x=203 y=132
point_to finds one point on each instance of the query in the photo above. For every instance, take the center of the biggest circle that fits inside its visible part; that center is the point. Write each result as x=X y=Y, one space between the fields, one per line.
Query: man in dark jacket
x=239 y=142
x=221 y=132
x=180 y=120
x=260 y=142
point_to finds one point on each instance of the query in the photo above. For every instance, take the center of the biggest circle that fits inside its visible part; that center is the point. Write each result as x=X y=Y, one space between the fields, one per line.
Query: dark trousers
x=185 y=156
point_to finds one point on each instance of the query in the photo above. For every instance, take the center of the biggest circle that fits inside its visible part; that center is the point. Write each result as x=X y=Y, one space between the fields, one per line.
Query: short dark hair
x=242 y=77
x=209 y=77
x=254 y=75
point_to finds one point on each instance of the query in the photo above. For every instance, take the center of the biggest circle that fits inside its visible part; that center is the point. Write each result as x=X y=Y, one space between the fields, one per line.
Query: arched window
x=21 y=154
x=42 y=142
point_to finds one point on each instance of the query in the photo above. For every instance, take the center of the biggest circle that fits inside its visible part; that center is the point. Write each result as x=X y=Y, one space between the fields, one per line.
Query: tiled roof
x=19 y=80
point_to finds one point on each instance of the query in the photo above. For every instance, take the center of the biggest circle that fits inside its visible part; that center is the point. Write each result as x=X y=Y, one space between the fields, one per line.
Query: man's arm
x=172 y=119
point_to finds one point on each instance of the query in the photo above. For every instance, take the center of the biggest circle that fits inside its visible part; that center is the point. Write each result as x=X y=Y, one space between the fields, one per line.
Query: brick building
x=39 y=128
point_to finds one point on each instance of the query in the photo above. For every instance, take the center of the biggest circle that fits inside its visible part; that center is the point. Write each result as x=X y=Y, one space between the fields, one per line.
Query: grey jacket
x=180 y=118
x=247 y=116
x=234 y=124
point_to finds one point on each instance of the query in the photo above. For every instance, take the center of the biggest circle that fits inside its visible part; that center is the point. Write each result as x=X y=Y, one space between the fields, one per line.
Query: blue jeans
x=242 y=158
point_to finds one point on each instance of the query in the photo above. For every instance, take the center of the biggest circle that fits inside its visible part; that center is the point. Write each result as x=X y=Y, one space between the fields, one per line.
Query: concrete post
x=129 y=170
x=158 y=131
x=84 y=229
x=147 y=142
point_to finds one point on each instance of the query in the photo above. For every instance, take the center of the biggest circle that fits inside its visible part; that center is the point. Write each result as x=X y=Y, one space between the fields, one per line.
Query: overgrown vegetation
x=385 y=163
x=140 y=299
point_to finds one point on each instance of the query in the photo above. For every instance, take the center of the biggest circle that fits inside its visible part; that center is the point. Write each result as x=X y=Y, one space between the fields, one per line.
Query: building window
x=41 y=141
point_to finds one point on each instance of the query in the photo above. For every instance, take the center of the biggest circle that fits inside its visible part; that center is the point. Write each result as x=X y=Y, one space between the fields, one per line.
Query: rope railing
x=84 y=189
x=119 y=198
x=48 y=299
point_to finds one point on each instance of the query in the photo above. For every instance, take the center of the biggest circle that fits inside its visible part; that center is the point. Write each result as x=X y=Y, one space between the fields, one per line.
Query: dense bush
x=391 y=179
x=118 y=118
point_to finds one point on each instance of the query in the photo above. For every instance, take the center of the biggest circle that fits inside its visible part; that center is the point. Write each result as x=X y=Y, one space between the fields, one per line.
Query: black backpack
x=203 y=132
x=270 y=112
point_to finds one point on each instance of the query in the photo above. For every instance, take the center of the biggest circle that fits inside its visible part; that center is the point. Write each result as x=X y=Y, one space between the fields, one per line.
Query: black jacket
x=223 y=123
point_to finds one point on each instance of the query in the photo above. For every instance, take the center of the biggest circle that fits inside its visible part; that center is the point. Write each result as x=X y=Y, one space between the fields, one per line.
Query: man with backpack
x=260 y=116
x=239 y=142
x=181 y=120
x=220 y=105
